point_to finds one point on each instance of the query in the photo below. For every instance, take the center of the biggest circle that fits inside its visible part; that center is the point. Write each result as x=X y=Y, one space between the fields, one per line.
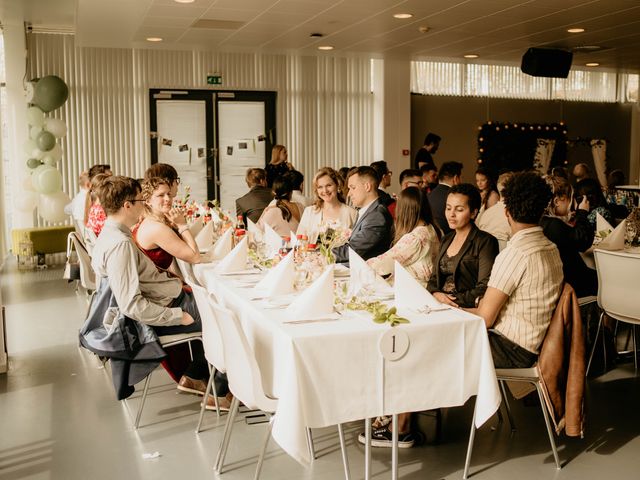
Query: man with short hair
x=408 y=178
x=77 y=205
x=526 y=278
x=581 y=171
x=429 y=177
x=99 y=168
x=429 y=148
x=296 y=179
x=449 y=176
x=384 y=180
x=251 y=204
x=373 y=231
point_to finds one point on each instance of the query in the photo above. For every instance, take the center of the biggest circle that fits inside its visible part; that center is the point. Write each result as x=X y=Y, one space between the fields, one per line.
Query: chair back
x=89 y=239
x=87 y=275
x=243 y=373
x=618 y=274
x=211 y=337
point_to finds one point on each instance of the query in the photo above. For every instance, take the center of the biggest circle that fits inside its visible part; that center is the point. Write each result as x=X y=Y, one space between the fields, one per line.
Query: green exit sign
x=215 y=79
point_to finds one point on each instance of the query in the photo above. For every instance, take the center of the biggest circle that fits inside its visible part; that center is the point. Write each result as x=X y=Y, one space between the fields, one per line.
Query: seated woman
x=415 y=244
x=590 y=188
x=95 y=215
x=329 y=206
x=488 y=191
x=570 y=240
x=279 y=164
x=281 y=214
x=466 y=255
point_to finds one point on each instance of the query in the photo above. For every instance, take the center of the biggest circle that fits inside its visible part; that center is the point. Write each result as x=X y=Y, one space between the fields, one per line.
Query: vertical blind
x=324 y=105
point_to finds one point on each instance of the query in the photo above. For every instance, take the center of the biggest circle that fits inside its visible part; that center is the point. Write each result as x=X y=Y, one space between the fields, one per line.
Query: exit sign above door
x=214 y=79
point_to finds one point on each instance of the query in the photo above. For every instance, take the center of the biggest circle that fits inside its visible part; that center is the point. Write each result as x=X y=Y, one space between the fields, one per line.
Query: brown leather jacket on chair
x=562 y=365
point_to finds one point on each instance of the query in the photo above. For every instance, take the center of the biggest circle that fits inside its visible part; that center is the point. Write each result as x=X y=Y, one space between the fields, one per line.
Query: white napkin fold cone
x=196 y=227
x=602 y=225
x=409 y=293
x=279 y=280
x=254 y=229
x=615 y=240
x=272 y=241
x=315 y=301
x=362 y=275
x=294 y=239
x=236 y=260
x=204 y=238
x=223 y=245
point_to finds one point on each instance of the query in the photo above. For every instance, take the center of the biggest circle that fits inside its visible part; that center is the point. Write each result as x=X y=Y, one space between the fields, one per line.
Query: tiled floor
x=59 y=419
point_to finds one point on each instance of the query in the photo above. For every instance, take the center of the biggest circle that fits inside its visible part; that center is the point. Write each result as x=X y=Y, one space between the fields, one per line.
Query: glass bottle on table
x=240 y=230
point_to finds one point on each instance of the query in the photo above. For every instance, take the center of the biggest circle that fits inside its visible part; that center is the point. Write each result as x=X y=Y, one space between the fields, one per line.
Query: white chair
x=87 y=275
x=618 y=274
x=245 y=382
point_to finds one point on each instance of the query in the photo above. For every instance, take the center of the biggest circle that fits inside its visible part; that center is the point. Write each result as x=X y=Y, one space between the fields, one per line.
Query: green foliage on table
x=258 y=260
x=381 y=312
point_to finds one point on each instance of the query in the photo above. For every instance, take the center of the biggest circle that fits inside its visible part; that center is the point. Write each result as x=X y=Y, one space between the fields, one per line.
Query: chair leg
x=203 y=407
x=343 y=448
x=507 y=406
x=367 y=448
x=394 y=447
x=472 y=436
x=147 y=381
x=312 y=450
x=552 y=441
x=264 y=449
x=222 y=450
x=595 y=342
x=635 y=350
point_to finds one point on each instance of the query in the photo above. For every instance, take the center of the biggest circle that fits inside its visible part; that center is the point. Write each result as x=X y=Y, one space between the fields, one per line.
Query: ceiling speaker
x=546 y=62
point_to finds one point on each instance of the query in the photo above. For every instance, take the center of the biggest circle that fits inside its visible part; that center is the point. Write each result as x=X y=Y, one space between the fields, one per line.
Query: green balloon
x=50 y=93
x=47 y=180
x=34 y=163
x=46 y=141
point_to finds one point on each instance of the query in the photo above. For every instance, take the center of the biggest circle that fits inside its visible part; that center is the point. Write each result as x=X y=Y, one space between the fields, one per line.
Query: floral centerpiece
x=330 y=236
x=380 y=311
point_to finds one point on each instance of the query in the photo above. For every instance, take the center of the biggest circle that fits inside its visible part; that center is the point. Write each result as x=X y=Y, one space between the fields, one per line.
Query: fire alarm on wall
x=405 y=152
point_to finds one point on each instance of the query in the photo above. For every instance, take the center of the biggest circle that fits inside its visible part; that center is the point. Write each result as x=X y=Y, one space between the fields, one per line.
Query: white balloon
x=55 y=152
x=35 y=116
x=26 y=201
x=51 y=207
x=26 y=183
x=34 y=132
x=29 y=146
x=55 y=126
x=48 y=159
x=37 y=153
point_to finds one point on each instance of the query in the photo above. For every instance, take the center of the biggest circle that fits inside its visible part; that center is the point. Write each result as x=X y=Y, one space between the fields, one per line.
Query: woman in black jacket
x=570 y=240
x=466 y=255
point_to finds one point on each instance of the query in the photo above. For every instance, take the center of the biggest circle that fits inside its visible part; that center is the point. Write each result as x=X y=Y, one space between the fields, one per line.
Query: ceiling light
x=184 y=1
x=402 y=16
x=316 y=35
x=575 y=30
x=471 y=55
x=592 y=64
x=325 y=47
x=154 y=39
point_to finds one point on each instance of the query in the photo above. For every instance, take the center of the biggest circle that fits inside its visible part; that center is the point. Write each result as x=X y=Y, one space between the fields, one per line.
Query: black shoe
x=381 y=437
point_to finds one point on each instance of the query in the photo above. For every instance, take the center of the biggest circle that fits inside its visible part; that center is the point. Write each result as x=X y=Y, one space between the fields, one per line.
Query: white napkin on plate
x=602 y=225
x=254 y=230
x=409 y=293
x=316 y=301
x=294 y=239
x=279 y=280
x=204 y=238
x=615 y=240
x=236 y=260
x=223 y=245
x=196 y=227
x=362 y=275
x=272 y=241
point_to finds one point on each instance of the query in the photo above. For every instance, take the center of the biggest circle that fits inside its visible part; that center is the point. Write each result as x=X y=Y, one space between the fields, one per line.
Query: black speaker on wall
x=546 y=62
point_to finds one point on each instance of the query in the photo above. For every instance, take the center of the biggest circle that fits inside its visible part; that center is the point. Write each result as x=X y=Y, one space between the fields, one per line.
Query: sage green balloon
x=47 y=179
x=34 y=163
x=35 y=117
x=46 y=141
x=50 y=93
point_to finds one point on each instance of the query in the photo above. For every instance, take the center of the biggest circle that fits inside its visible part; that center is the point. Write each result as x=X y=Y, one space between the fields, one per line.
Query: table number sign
x=394 y=344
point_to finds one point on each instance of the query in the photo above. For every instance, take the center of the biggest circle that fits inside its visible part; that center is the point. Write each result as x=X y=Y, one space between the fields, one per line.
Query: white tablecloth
x=329 y=373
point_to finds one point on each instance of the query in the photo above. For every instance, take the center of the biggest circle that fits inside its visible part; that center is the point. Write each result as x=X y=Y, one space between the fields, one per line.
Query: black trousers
x=507 y=354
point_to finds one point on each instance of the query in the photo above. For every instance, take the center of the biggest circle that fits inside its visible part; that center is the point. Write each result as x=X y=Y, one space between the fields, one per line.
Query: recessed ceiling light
x=325 y=47
x=592 y=64
x=184 y=1
x=575 y=30
x=471 y=55
x=402 y=16
x=154 y=39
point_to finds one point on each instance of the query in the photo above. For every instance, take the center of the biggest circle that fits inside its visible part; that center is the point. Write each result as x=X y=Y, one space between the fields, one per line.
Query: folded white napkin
x=223 y=245
x=294 y=239
x=602 y=225
x=615 y=240
x=316 y=301
x=279 y=280
x=362 y=275
x=196 y=227
x=236 y=260
x=409 y=293
x=204 y=238
x=254 y=229
x=272 y=241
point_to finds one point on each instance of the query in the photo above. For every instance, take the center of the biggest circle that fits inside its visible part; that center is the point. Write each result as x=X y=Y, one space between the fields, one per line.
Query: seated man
x=526 y=279
x=142 y=293
x=252 y=204
x=408 y=178
x=373 y=231
x=449 y=175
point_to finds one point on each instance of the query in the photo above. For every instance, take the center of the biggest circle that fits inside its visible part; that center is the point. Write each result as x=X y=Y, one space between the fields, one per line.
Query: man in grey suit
x=373 y=231
x=449 y=176
x=259 y=196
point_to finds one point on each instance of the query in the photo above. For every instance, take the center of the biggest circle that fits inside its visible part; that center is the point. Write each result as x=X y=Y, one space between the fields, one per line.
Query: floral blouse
x=96 y=218
x=416 y=251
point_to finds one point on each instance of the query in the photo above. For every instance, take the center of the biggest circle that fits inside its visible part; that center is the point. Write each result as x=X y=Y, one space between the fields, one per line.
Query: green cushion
x=45 y=239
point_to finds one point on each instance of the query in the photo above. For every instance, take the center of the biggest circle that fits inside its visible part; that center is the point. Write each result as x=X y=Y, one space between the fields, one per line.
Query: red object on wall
x=405 y=152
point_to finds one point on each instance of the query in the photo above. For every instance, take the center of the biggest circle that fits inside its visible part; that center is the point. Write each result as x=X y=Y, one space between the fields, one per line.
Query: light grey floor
x=59 y=419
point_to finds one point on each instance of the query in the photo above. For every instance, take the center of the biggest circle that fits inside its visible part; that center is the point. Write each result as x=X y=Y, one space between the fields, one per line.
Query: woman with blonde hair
x=279 y=164
x=329 y=206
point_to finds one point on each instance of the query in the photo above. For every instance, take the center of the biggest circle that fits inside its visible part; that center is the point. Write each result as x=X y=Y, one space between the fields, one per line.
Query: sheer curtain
x=599 y=152
x=544 y=152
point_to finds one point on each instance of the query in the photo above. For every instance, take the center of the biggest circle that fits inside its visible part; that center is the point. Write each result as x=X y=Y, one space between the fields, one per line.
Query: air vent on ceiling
x=217 y=24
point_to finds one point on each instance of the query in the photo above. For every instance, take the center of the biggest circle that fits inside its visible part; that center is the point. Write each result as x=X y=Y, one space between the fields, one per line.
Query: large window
x=5 y=186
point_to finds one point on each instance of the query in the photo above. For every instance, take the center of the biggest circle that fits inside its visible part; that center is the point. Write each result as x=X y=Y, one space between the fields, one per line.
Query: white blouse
x=312 y=220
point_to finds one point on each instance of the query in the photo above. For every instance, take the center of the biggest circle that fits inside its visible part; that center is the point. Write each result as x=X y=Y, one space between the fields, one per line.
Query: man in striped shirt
x=526 y=278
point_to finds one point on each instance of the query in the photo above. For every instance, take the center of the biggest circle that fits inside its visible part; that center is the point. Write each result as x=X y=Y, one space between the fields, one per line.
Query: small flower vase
x=632 y=237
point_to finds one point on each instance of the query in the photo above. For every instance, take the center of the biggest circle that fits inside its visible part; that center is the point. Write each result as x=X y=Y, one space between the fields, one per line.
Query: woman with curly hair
x=282 y=214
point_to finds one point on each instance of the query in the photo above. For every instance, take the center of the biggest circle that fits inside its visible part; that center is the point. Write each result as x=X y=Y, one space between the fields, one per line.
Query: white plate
x=250 y=271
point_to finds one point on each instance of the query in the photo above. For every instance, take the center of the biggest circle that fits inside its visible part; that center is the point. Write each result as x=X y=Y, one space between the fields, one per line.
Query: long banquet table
x=332 y=372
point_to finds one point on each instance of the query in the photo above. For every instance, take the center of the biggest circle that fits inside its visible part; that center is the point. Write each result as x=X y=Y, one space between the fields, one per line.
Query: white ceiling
x=497 y=30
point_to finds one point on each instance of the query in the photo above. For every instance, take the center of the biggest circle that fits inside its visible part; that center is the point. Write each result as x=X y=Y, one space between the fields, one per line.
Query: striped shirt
x=529 y=271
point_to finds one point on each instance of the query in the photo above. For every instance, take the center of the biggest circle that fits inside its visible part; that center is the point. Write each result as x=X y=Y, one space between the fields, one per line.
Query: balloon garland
x=43 y=188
